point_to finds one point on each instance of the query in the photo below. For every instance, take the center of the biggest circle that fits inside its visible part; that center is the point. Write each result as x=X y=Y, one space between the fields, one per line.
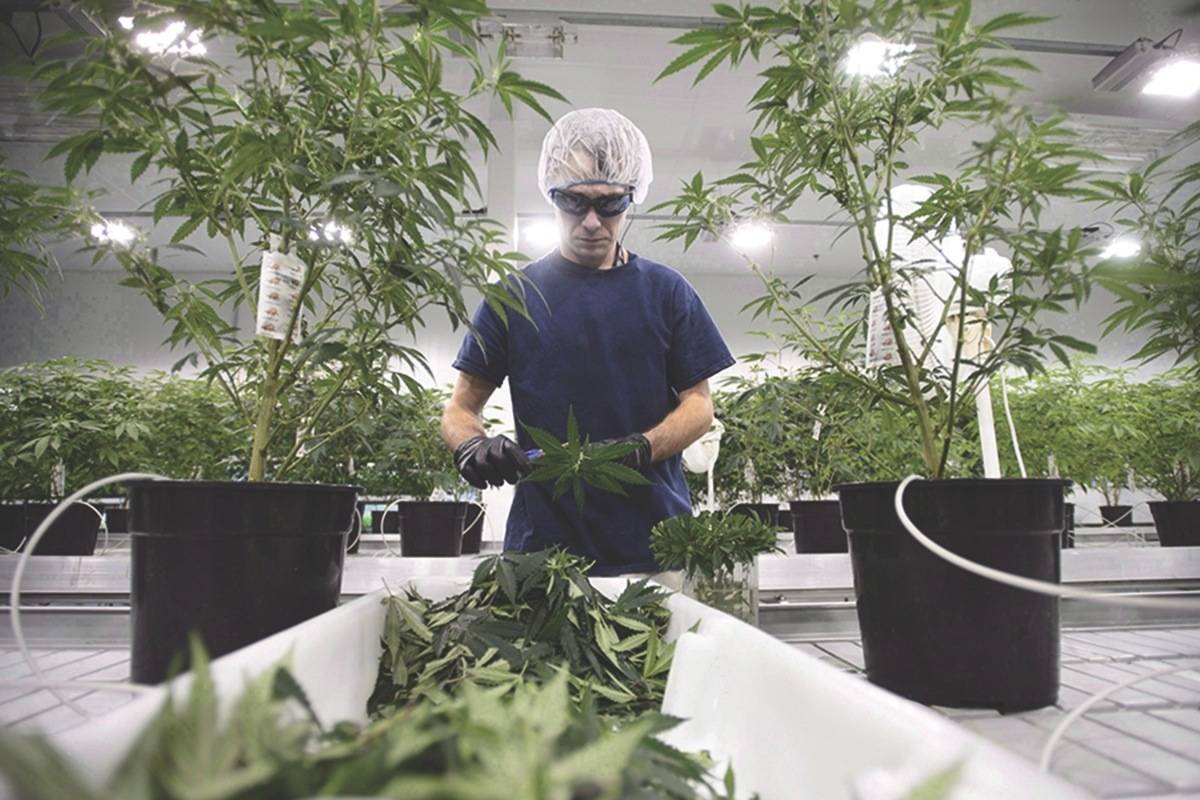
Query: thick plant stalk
x=262 y=420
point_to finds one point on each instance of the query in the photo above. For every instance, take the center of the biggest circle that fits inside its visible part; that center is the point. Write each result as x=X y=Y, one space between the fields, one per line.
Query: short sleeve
x=484 y=351
x=697 y=350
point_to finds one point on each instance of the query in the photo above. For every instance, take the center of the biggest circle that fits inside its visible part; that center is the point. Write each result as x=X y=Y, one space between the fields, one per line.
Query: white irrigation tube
x=358 y=535
x=1012 y=428
x=1085 y=706
x=465 y=528
x=383 y=534
x=103 y=523
x=1115 y=523
x=1021 y=582
x=14 y=595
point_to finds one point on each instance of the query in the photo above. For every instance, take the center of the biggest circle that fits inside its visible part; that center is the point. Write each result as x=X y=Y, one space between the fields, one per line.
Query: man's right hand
x=491 y=461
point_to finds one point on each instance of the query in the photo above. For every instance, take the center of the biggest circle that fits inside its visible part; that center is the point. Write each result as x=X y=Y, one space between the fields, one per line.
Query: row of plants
x=83 y=420
x=801 y=432
x=1106 y=431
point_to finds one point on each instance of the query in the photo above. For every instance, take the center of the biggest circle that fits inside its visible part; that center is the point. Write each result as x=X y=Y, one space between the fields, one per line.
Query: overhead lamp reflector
x=1178 y=78
x=539 y=234
x=113 y=232
x=175 y=39
x=873 y=57
x=750 y=236
x=1122 y=247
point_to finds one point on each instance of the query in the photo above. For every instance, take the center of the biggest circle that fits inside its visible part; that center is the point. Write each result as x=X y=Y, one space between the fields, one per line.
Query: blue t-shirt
x=617 y=346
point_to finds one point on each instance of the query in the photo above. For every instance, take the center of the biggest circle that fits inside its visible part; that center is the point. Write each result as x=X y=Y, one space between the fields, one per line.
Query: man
x=622 y=341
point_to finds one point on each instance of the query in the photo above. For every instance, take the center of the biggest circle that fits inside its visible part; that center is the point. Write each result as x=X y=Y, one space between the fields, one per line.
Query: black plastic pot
x=231 y=561
x=1177 y=522
x=117 y=519
x=765 y=512
x=12 y=525
x=817 y=526
x=1068 y=536
x=784 y=518
x=72 y=534
x=473 y=537
x=936 y=633
x=1121 y=516
x=428 y=527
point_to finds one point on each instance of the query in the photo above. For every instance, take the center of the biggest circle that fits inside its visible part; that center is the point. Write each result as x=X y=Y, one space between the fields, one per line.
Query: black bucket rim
x=259 y=486
x=957 y=482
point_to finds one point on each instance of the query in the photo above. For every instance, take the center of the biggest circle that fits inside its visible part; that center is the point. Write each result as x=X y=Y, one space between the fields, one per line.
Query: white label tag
x=278 y=290
x=881 y=344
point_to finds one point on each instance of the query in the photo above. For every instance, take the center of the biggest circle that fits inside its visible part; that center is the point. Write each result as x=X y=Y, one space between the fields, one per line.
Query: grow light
x=125 y=22
x=113 y=232
x=331 y=232
x=174 y=39
x=873 y=57
x=539 y=234
x=1178 y=79
x=1122 y=247
x=748 y=236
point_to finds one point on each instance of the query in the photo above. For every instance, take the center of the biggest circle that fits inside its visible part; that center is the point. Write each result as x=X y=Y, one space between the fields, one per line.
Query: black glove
x=640 y=458
x=491 y=461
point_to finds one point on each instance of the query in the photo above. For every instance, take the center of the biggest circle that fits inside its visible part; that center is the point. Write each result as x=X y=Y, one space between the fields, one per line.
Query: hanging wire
x=31 y=51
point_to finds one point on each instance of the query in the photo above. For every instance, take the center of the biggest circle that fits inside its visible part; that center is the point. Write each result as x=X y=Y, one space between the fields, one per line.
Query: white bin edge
x=793 y=726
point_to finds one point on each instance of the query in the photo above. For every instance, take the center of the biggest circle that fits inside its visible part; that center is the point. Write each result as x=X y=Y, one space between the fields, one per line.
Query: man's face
x=590 y=239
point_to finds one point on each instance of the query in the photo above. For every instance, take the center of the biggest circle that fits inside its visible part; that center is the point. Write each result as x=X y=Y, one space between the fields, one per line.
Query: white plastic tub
x=792 y=726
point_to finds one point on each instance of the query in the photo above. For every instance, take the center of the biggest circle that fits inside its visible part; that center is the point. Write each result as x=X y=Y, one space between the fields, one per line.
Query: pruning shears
x=534 y=455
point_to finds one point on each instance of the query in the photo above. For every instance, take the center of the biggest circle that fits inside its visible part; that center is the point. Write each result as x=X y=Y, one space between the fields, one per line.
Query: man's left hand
x=640 y=457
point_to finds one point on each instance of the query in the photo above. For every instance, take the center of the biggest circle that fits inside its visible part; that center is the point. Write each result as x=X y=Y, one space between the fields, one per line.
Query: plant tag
x=278 y=291
x=881 y=343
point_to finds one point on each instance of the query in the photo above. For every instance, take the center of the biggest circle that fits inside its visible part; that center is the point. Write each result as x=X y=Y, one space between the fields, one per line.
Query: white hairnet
x=595 y=145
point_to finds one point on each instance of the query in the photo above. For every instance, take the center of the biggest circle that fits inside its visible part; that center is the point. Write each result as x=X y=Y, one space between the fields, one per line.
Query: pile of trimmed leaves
x=533 y=743
x=523 y=614
x=517 y=715
x=710 y=544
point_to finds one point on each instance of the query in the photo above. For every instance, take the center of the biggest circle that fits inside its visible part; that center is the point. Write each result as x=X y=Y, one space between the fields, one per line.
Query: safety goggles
x=577 y=205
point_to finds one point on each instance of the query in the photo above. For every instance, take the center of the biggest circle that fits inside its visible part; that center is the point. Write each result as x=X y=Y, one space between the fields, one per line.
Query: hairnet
x=595 y=145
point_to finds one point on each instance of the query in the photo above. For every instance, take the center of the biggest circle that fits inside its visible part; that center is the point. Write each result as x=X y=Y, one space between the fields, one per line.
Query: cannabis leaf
x=577 y=462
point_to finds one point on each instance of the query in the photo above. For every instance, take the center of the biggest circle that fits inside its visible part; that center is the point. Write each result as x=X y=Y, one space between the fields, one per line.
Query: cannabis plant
x=65 y=423
x=716 y=553
x=1167 y=458
x=33 y=217
x=328 y=154
x=825 y=133
x=1087 y=423
x=1160 y=207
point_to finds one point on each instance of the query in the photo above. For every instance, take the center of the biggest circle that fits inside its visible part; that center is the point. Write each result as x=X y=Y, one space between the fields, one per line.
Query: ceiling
x=614 y=54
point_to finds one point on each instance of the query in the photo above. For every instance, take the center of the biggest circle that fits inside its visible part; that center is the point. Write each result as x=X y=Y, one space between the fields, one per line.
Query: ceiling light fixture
x=872 y=57
x=1160 y=68
x=1122 y=247
x=1178 y=78
x=539 y=234
x=175 y=39
x=751 y=235
x=113 y=232
x=331 y=233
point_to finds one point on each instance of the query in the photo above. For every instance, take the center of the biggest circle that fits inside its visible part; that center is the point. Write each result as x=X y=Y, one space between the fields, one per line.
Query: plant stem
x=267 y=397
x=879 y=263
